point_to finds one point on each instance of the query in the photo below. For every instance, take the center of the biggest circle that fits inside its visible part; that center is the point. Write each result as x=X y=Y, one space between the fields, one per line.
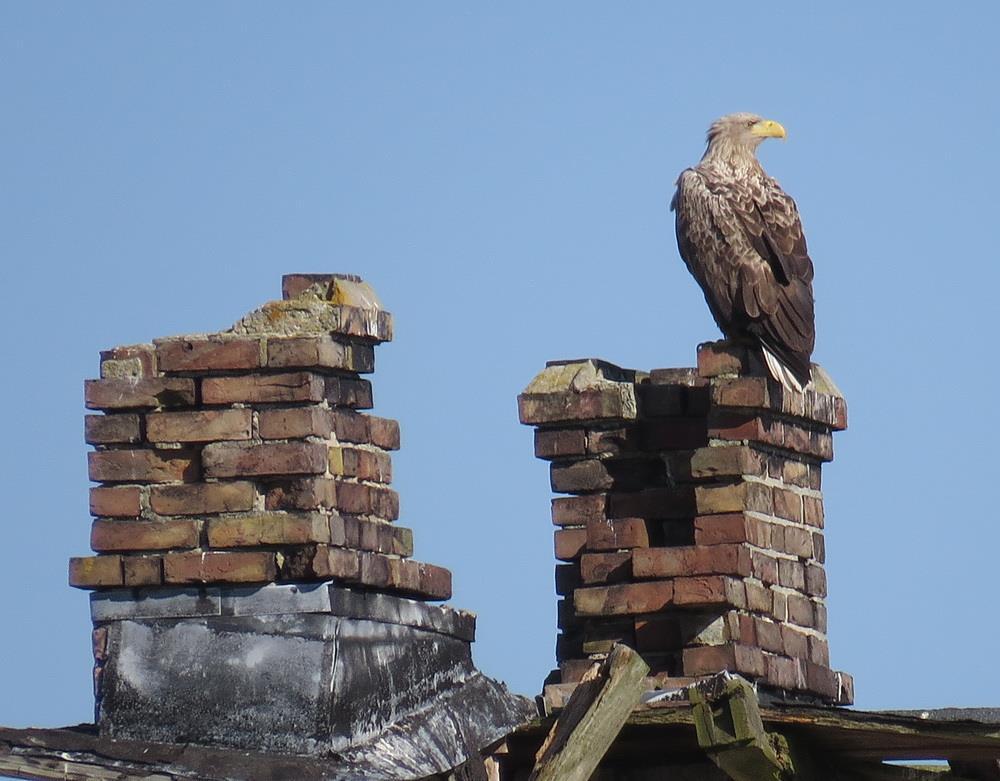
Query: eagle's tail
x=782 y=373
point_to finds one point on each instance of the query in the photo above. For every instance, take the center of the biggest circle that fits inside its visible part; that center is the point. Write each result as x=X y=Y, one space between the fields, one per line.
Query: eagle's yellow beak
x=768 y=128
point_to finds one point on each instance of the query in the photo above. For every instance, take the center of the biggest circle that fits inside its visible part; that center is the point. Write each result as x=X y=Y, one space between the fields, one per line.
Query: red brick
x=95 y=571
x=746 y=633
x=348 y=392
x=813 y=511
x=618 y=534
x=798 y=542
x=615 y=402
x=785 y=673
x=791 y=574
x=768 y=635
x=815 y=580
x=202 y=498
x=583 y=476
x=759 y=597
x=708 y=590
x=605 y=567
x=779 y=605
x=295 y=423
x=139 y=393
x=117 y=502
x=382 y=537
x=819 y=616
x=371 y=465
x=268 y=529
x=821 y=680
x=383 y=432
x=819 y=650
x=736 y=497
x=691 y=560
x=723 y=528
x=800 y=611
x=577 y=510
x=322 y=352
x=624 y=599
x=136 y=360
x=262 y=388
x=200 y=426
x=142 y=466
x=274 y=458
x=741 y=392
x=709 y=659
x=794 y=643
x=764 y=567
x=570 y=543
x=351 y=426
x=720 y=358
x=787 y=504
x=384 y=502
x=208 y=354
x=322 y=562
x=143 y=535
x=142 y=570
x=112 y=429
x=819 y=547
x=219 y=567
x=306 y=493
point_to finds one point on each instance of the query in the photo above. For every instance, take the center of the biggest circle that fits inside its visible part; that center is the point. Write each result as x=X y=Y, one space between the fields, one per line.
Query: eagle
x=741 y=238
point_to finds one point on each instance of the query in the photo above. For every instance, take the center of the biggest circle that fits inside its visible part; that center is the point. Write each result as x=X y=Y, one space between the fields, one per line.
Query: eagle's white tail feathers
x=780 y=372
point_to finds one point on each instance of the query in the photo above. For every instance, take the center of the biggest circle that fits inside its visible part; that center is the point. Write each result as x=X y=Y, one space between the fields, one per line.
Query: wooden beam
x=592 y=719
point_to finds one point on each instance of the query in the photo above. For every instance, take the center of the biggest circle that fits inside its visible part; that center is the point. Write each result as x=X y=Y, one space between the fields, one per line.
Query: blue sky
x=501 y=174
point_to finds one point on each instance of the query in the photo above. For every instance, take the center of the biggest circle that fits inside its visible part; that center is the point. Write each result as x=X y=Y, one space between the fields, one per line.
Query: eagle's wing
x=743 y=242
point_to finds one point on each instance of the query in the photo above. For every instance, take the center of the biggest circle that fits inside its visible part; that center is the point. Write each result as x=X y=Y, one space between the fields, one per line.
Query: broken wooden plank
x=592 y=719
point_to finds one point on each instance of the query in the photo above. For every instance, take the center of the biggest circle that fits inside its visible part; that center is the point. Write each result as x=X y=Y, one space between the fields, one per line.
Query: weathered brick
x=382 y=537
x=371 y=465
x=263 y=388
x=322 y=561
x=791 y=574
x=142 y=466
x=569 y=543
x=213 y=353
x=819 y=547
x=794 y=643
x=726 y=461
x=600 y=637
x=305 y=493
x=617 y=534
x=383 y=432
x=768 y=635
x=349 y=392
x=734 y=657
x=737 y=497
x=139 y=393
x=351 y=426
x=95 y=571
x=691 y=560
x=272 y=458
x=142 y=570
x=819 y=616
x=720 y=358
x=709 y=590
x=199 y=426
x=615 y=402
x=129 y=361
x=583 y=476
x=577 y=510
x=779 y=604
x=741 y=392
x=819 y=650
x=605 y=568
x=624 y=599
x=812 y=511
x=723 y=528
x=815 y=580
x=798 y=542
x=764 y=567
x=759 y=597
x=560 y=443
x=620 y=440
x=364 y=323
x=787 y=504
x=143 y=535
x=320 y=352
x=112 y=429
x=116 y=502
x=821 y=680
x=785 y=673
x=268 y=529
x=202 y=498
x=219 y=567
x=661 y=400
x=800 y=611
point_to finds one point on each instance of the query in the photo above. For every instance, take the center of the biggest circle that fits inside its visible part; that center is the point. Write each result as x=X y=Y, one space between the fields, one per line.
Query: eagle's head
x=741 y=133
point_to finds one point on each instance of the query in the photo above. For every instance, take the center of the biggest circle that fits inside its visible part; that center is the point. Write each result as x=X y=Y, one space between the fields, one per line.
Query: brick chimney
x=251 y=589
x=692 y=529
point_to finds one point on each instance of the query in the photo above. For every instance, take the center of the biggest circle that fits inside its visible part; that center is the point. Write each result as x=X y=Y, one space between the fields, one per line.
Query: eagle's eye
x=751 y=122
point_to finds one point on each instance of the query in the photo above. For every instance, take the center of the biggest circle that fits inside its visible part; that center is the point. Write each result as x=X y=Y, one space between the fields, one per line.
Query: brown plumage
x=740 y=236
